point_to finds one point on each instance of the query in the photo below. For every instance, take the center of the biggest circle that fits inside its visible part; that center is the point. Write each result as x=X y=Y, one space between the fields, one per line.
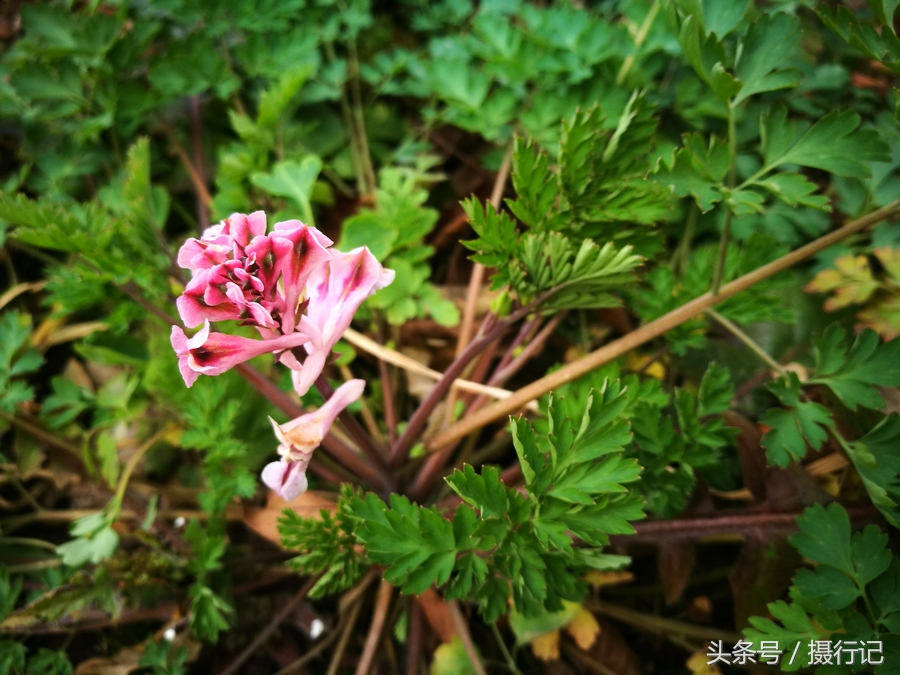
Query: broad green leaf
x=292 y=180
x=834 y=143
x=825 y=537
x=793 y=428
x=722 y=16
x=368 y=228
x=831 y=587
x=855 y=374
x=766 y=46
x=795 y=190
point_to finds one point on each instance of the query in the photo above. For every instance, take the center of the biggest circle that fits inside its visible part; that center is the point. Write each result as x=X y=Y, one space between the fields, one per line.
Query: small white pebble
x=169 y=635
x=179 y=521
x=316 y=628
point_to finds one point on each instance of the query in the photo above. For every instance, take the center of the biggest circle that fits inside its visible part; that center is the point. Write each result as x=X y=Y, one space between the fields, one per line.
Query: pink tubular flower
x=299 y=437
x=295 y=291
x=302 y=250
x=334 y=292
x=219 y=242
x=214 y=353
x=286 y=479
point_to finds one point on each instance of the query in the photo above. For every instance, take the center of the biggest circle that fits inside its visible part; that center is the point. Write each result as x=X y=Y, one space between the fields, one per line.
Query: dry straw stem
x=467 y=327
x=276 y=621
x=647 y=332
x=382 y=603
x=661 y=625
x=462 y=627
x=407 y=363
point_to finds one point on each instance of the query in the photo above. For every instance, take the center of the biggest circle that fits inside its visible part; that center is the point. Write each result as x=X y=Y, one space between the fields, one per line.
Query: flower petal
x=286 y=479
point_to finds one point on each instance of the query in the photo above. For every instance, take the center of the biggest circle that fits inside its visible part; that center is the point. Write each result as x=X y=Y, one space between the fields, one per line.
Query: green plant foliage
x=95 y=540
x=212 y=419
x=852 y=373
x=81 y=590
x=665 y=290
x=17 y=360
x=676 y=434
x=878 y=41
x=210 y=613
x=848 y=600
x=164 y=658
x=652 y=144
x=575 y=485
x=327 y=545
x=116 y=238
x=793 y=427
x=394 y=232
x=14 y=660
x=549 y=266
x=600 y=180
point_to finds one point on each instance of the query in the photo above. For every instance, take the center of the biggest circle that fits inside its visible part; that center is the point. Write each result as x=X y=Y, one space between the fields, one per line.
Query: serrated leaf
x=850 y=279
x=855 y=374
x=834 y=143
x=716 y=391
x=274 y=101
x=795 y=190
x=797 y=628
x=793 y=428
x=484 y=491
x=884 y=10
x=876 y=457
x=766 y=46
x=832 y=588
x=688 y=173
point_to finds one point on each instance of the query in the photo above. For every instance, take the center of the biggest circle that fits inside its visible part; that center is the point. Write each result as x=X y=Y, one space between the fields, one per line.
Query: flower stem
x=748 y=341
x=420 y=416
x=382 y=603
x=459 y=622
x=639 y=39
x=510 y=662
x=116 y=501
x=719 y=271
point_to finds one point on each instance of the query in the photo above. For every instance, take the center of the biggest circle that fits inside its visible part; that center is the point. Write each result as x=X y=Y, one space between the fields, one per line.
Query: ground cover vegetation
x=346 y=336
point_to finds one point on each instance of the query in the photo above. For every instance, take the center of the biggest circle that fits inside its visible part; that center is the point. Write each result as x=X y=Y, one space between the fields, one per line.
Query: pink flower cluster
x=300 y=295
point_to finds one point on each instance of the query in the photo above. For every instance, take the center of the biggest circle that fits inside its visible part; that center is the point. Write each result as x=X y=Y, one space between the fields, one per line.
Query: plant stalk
x=649 y=331
x=266 y=633
x=382 y=603
x=462 y=628
x=719 y=271
x=748 y=341
x=420 y=416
